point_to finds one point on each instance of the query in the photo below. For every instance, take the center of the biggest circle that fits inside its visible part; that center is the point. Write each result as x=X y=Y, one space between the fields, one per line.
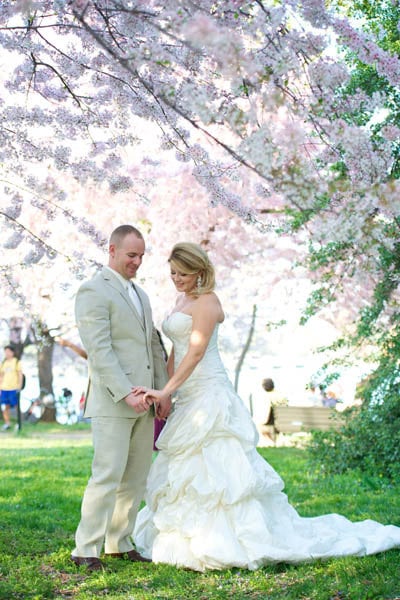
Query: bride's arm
x=205 y=314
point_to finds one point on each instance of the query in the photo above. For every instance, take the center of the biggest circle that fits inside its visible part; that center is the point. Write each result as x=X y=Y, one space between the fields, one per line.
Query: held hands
x=138 y=402
x=161 y=401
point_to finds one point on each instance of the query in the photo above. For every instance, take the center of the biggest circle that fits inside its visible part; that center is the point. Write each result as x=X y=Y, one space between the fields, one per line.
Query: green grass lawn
x=44 y=470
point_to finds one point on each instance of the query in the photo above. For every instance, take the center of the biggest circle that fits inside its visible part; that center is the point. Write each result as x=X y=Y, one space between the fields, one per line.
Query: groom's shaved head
x=121 y=232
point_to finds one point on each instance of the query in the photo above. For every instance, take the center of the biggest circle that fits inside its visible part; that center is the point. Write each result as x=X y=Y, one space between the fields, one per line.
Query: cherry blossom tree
x=256 y=101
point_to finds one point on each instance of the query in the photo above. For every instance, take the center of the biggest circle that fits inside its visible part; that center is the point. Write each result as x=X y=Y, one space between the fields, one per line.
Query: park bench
x=294 y=419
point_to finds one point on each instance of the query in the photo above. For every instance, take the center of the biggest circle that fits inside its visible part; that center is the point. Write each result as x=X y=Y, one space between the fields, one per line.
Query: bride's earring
x=198 y=282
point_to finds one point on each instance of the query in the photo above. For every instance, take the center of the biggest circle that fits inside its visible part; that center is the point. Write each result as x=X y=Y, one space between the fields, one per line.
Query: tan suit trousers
x=121 y=461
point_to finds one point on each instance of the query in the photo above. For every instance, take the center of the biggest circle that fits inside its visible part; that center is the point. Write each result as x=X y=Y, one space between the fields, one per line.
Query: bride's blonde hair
x=190 y=258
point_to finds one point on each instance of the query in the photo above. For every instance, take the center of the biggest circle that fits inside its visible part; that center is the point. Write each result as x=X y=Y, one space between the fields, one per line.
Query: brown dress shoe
x=92 y=563
x=131 y=555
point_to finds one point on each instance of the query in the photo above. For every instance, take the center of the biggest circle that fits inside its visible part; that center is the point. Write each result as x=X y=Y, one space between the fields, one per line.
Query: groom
x=115 y=324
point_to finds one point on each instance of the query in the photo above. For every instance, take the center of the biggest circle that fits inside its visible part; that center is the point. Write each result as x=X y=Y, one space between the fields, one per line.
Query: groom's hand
x=138 y=402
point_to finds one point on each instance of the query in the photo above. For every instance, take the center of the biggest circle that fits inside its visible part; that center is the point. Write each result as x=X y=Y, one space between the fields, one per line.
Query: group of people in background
x=321 y=396
x=317 y=395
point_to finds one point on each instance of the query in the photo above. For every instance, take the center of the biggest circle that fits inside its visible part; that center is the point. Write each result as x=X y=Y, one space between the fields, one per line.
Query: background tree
x=252 y=96
x=371 y=438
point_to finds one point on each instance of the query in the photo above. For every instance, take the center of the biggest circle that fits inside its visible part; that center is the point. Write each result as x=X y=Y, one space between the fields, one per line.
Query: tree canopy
x=282 y=114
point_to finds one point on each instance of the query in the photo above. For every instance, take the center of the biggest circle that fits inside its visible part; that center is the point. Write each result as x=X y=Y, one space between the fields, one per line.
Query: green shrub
x=370 y=440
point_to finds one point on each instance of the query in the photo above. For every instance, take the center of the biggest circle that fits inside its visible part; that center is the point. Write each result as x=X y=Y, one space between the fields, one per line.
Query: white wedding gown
x=212 y=502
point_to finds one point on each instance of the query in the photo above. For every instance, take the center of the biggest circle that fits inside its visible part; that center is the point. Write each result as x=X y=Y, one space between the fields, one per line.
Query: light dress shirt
x=130 y=288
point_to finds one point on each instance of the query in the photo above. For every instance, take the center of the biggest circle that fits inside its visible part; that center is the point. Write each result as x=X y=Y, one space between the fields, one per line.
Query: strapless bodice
x=177 y=327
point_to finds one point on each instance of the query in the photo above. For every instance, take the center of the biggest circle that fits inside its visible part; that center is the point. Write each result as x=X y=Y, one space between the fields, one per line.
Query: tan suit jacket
x=123 y=348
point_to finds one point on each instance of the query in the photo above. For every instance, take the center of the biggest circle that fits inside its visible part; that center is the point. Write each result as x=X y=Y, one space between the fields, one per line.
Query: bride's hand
x=149 y=394
x=139 y=389
x=162 y=402
x=152 y=395
x=163 y=407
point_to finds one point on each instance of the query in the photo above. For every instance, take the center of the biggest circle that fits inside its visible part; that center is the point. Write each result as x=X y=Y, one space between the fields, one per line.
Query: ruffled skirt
x=212 y=502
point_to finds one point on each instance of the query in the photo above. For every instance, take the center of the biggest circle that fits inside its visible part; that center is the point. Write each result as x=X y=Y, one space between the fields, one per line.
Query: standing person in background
x=114 y=320
x=10 y=384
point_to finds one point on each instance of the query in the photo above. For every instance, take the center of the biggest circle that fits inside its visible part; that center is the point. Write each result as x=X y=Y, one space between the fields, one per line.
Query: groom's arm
x=160 y=368
x=163 y=408
x=93 y=321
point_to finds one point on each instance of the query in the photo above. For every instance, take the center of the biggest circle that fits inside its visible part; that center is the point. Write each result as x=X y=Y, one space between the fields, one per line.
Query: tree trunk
x=245 y=347
x=45 y=369
x=40 y=336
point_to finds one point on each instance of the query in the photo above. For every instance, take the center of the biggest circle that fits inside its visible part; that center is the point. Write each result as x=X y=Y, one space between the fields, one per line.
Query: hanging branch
x=245 y=347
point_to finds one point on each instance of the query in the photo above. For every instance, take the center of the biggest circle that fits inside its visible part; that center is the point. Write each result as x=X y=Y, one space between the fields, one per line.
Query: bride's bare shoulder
x=210 y=302
x=209 y=298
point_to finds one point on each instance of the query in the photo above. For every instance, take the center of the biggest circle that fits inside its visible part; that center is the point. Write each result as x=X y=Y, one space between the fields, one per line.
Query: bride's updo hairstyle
x=190 y=258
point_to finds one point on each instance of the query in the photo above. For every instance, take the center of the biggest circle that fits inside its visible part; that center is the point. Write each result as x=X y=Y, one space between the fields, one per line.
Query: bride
x=212 y=502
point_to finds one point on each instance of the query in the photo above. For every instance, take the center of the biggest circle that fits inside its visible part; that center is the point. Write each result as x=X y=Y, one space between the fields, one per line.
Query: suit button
x=148 y=366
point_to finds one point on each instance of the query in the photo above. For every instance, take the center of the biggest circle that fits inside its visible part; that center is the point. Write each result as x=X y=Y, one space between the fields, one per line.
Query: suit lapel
x=146 y=315
x=117 y=285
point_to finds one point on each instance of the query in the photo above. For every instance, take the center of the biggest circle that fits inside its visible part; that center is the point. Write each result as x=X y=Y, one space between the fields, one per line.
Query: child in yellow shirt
x=10 y=383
